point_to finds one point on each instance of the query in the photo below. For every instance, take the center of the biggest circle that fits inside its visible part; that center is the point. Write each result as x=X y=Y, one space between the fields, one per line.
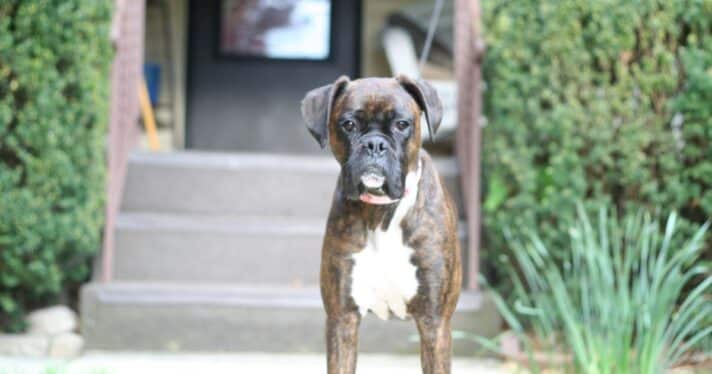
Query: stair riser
x=267 y=191
x=209 y=327
x=254 y=192
x=205 y=256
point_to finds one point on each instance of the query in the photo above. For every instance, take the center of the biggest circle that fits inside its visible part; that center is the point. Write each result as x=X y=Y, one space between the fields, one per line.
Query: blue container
x=152 y=73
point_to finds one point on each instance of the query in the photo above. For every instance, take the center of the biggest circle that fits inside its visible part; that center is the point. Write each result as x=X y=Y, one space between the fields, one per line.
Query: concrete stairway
x=220 y=252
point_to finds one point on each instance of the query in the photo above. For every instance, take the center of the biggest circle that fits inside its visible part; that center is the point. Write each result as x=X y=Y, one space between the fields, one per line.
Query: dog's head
x=372 y=126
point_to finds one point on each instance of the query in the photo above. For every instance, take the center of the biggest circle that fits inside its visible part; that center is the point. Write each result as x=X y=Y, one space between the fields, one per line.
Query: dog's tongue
x=370 y=198
x=376 y=199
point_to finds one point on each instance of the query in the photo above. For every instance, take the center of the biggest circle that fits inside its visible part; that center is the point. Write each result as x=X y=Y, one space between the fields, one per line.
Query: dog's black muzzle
x=374 y=168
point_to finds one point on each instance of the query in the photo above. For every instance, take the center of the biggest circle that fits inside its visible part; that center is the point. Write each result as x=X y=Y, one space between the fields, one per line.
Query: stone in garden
x=510 y=344
x=23 y=345
x=66 y=345
x=51 y=321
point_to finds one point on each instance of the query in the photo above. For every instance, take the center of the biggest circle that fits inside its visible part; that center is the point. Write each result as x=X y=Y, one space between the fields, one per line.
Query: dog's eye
x=348 y=125
x=402 y=125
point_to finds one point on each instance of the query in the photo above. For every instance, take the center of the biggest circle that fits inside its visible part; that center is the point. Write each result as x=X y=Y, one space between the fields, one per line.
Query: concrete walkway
x=109 y=363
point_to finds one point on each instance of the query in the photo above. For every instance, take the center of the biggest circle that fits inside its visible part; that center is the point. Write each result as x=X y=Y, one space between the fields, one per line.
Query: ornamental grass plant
x=619 y=302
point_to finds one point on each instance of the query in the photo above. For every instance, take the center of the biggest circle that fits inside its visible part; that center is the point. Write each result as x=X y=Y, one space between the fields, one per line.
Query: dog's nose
x=375 y=145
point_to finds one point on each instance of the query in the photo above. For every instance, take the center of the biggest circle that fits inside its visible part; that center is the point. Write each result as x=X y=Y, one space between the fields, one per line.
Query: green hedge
x=54 y=87
x=596 y=101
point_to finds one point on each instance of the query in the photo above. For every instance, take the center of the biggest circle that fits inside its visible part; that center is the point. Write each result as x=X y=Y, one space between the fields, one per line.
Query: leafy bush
x=54 y=64
x=595 y=101
x=615 y=303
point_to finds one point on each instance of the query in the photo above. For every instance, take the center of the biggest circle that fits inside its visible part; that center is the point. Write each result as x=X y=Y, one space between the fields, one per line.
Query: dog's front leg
x=435 y=344
x=342 y=342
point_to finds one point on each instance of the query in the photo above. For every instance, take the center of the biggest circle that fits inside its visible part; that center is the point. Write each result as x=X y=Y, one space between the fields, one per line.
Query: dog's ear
x=428 y=100
x=316 y=108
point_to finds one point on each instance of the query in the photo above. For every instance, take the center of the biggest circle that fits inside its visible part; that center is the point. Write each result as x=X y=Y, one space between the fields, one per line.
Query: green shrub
x=54 y=65
x=615 y=304
x=595 y=101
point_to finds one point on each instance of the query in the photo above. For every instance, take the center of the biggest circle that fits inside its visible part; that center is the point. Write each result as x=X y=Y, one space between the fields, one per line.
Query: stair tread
x=235 y=160
x=220 y=222
x=242 y=295
x=231 y=223
x=261 y=161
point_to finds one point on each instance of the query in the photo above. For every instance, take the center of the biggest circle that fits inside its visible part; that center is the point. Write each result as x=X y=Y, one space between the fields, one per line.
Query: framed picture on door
x=276 y=29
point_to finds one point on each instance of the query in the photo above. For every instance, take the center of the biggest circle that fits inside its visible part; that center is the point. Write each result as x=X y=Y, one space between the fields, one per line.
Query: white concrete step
x=239 y=183
x=218 y=318
x=207 y=248
x=214 y=248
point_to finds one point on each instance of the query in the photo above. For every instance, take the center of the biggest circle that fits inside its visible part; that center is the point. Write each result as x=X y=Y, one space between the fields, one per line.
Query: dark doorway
x=241 y=99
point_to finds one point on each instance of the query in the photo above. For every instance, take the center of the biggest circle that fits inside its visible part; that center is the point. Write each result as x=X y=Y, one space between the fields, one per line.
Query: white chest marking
x=383 y=278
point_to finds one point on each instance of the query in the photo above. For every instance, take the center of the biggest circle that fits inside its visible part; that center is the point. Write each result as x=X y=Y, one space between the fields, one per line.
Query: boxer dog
x=390 y=245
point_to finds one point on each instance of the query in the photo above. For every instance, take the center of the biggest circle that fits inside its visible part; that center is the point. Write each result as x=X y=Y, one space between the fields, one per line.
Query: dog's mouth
x=373 y=189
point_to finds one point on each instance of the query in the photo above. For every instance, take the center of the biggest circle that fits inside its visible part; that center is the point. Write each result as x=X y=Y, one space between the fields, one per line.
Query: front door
x=250 y=63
